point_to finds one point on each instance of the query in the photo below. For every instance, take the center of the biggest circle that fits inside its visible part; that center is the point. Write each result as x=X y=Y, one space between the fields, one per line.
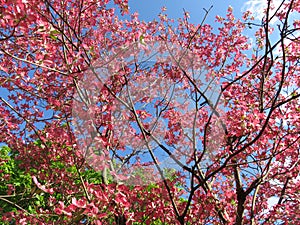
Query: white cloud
x=257 y=7
x=272 y=201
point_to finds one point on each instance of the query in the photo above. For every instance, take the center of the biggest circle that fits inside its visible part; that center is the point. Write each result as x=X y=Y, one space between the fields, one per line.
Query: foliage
x=15 y=183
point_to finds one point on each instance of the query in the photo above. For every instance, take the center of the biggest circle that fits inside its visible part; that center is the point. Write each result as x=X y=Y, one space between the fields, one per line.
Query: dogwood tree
x=107 y=119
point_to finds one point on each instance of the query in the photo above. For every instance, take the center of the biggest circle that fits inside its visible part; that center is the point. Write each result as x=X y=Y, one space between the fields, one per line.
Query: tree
x=106 y=119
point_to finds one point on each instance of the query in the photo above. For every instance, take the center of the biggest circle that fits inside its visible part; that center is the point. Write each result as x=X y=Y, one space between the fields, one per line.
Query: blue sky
x=149 y=10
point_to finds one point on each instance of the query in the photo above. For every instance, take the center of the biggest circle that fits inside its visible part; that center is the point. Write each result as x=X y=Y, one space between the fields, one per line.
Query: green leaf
x=53 y=37
x=53 y=33
x=142 y=40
